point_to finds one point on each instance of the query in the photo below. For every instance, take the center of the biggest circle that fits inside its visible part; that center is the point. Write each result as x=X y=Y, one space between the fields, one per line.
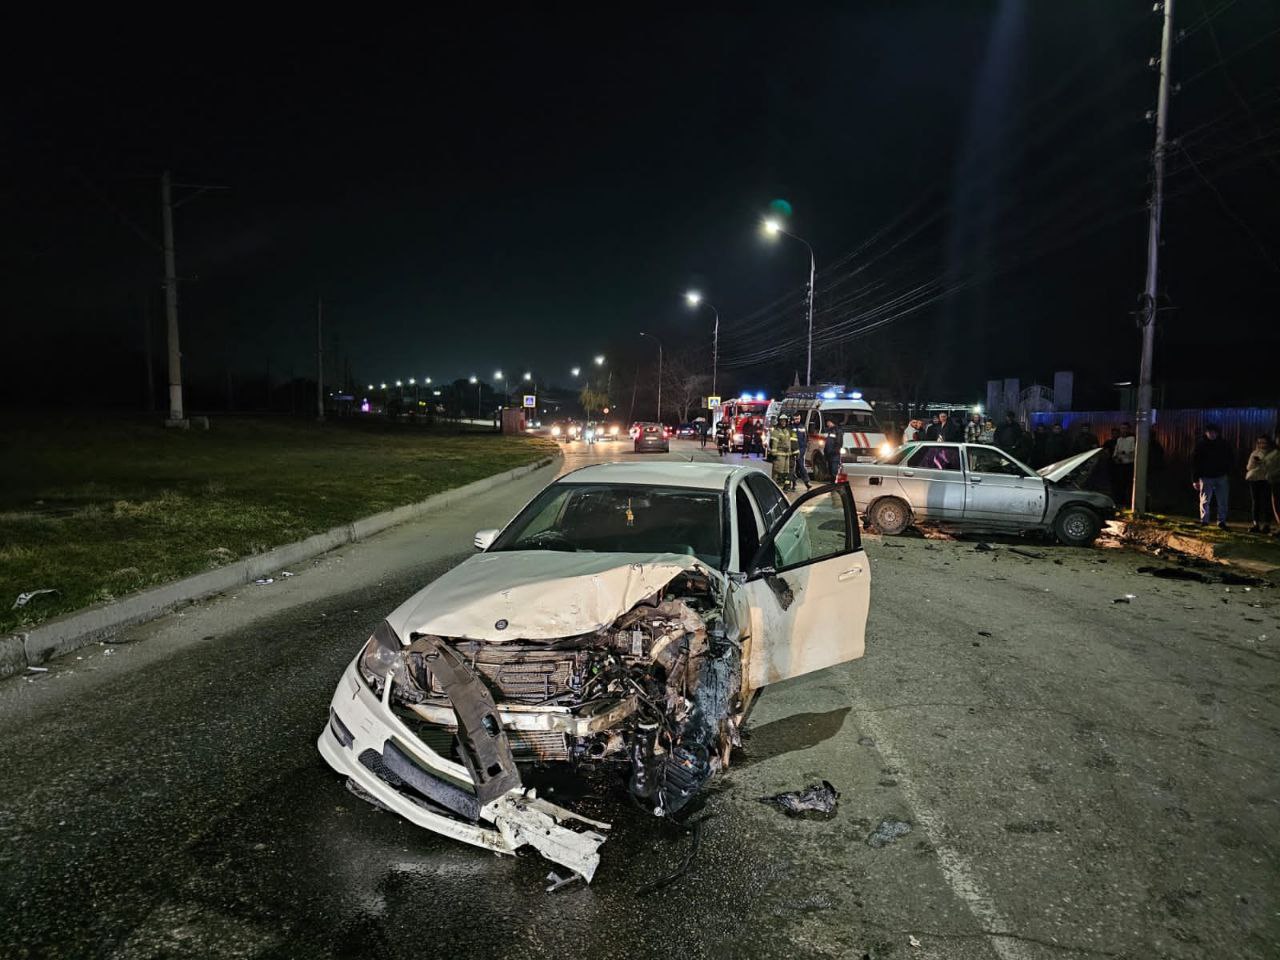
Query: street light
x=694 y=298
x=528 y=376
x=600 y=361
x=476 y=381
x=576 y=371
x=659 y=343
x=772 y=228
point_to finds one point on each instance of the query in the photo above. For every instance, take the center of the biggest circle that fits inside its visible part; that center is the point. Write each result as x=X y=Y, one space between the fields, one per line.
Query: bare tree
x=684 y=384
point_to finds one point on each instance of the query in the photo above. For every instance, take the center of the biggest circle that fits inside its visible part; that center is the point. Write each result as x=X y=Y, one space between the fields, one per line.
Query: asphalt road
x=1078 y=776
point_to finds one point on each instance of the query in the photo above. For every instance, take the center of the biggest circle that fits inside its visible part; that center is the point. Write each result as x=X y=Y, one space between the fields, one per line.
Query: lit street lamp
x=576 y=371
x=600 y=361
x=476 y=381
x=659 y=343
x=772 y=228
x=694 y=298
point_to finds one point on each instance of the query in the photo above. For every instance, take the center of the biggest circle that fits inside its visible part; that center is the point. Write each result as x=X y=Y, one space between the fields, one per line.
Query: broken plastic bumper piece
x=367 y=742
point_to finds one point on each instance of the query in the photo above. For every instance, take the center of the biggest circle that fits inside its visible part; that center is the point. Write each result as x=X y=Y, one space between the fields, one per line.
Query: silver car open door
x=808 y=589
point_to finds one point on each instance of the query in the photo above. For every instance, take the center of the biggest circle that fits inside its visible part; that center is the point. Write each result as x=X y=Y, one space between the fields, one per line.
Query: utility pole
x=176 y=417
x=319 y=359
x=659 y=343
x=1142 y=450
x=151 y=365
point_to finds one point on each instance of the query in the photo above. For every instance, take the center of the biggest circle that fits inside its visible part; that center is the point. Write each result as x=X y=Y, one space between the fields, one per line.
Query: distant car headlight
x=886 y=448
x=555 y=431
x=590 y=434
x=737 y=437
x=380 y=654
x=613 y=431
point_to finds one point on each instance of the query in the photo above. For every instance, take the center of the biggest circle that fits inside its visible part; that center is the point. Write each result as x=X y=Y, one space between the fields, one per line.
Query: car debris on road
x=818 y=798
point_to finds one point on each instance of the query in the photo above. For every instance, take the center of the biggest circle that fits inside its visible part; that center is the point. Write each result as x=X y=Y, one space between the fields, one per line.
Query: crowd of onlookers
x=1214 y=461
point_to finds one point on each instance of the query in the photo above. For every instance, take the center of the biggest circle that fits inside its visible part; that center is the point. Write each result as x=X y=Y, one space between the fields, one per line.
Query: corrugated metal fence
x=1177 y=430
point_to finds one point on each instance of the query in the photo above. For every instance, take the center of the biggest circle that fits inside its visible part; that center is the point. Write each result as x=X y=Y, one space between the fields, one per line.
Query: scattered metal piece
x=37 y=669
x=1029 y=554
x=25 y=598
x=558 y=881
x=817 y=798
x=887 y=832
x=983 y=547
x=263 y=581
x=1127 y=598
x=984 y=633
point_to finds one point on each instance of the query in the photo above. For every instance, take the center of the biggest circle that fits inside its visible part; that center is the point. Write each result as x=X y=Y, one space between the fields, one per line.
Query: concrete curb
x=1260 y=559
x=74 y=630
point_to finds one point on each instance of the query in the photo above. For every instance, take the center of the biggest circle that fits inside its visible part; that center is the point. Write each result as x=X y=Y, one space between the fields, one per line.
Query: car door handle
x=849 y=574
x=908 y=473
x=975 y=479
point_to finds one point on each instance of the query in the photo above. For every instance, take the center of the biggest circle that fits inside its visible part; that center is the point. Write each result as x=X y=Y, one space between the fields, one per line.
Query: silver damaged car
x=975 y=486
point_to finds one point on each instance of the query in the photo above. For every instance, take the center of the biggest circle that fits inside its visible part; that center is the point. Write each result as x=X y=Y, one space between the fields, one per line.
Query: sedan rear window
x=619 y=518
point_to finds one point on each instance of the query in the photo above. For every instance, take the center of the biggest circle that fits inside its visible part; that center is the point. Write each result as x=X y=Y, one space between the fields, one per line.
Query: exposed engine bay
x=657 y=695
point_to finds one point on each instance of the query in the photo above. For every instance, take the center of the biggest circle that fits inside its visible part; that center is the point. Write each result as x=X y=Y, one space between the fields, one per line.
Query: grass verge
x=99 y=509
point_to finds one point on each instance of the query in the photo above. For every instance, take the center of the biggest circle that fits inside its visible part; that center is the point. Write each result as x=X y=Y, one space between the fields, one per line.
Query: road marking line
x=959 y=875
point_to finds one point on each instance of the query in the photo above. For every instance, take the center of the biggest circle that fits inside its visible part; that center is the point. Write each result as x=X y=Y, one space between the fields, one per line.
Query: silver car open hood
x=1057 y=472
x=536 y=594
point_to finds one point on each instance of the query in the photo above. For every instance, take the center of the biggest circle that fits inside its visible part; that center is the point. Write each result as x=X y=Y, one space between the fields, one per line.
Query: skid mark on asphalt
x=955 y=868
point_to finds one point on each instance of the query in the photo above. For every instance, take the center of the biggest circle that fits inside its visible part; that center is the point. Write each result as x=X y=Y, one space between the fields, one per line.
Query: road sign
x=713 y=402
x=530 y=400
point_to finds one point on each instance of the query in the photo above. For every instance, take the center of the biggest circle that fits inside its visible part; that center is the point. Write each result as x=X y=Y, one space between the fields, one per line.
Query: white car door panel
x=809 y=592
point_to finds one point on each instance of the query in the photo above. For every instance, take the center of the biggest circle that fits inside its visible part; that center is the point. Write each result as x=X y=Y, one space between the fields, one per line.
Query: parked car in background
x=652 y=437
x=687 y=430
x=972 y=485
x=624 y=620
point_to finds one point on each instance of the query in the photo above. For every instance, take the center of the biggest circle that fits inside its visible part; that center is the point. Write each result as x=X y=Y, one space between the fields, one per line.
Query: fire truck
x=734 y=415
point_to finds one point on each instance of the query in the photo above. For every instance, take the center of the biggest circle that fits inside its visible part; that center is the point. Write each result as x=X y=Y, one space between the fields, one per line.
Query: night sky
x=524 y=190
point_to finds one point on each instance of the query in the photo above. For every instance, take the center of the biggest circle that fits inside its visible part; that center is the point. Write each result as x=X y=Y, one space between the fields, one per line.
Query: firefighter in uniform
x=783 y=442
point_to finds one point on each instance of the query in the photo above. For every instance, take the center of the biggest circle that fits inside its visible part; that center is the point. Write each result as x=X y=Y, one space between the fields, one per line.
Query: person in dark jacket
x=1086 y=439
x=1008 y=433
x=831 y=448
x=1057 y=445
x=1211 y=463
x=1038 y=438
x=945 y=430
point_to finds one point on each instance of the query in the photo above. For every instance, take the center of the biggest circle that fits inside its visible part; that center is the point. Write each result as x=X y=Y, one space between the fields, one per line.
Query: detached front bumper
x=367 y=743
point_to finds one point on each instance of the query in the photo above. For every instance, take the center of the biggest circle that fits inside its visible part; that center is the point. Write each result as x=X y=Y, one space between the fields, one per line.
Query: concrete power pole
x=1142 y=451
x=319 y=360
x=176 y=417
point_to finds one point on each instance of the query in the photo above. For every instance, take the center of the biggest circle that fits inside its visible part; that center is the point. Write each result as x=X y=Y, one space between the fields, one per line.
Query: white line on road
x=955 y=868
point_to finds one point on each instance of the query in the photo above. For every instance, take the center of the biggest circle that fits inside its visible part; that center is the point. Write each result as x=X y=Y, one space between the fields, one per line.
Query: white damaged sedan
x=627 y=616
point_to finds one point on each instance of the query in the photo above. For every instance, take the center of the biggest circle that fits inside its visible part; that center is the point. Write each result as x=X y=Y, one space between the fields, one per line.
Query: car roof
x=663 y=473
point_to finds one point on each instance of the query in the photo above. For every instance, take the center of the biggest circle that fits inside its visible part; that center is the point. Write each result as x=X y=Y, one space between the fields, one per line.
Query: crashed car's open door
x=809 y=589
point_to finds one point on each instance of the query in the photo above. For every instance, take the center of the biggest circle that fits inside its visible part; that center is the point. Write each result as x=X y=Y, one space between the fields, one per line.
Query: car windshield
x=619 y=518
x=853 y=420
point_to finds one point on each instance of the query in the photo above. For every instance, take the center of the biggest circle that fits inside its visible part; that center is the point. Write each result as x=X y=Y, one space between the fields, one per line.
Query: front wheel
x=1077 y=526
x=890 y=516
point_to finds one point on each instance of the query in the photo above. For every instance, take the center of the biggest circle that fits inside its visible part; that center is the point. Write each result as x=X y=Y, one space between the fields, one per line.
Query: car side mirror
x=484 y=538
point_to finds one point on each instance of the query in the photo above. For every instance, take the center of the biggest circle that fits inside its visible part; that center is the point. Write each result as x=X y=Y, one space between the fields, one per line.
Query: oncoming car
x=626 y=617
x=978 y=486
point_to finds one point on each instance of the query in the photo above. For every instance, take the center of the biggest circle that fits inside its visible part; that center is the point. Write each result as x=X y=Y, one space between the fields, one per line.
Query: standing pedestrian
x=1211 y=463
x=831 y=449
x=802 y=450
x=988 y=432
x=1086 y=439
x=1123 y=447
x=1008 y=433
x=1057 y=446
x=702 y=433
x=1264 y=461
x=909 y=431
x=1273 y=475
x=1038 y=438
x=973 y=429
x=940 y=427
x=782 y=446
x=748 y=437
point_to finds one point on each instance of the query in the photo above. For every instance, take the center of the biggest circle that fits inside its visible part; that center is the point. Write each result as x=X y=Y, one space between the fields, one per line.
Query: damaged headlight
x=380 y=654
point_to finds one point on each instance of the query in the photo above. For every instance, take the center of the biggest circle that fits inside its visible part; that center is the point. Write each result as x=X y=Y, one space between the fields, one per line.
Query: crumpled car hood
x=536 y=594
x=1057 y=472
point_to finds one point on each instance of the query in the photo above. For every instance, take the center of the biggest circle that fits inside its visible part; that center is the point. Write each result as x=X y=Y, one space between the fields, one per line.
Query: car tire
x=890 y=516
x=1077 y=526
